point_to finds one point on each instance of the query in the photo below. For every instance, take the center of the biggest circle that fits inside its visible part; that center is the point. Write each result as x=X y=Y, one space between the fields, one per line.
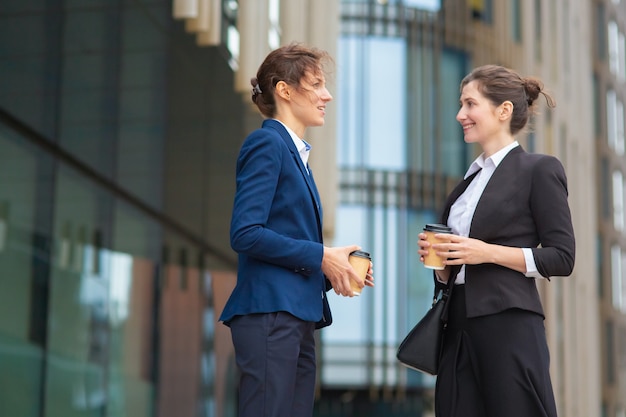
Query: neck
x=494 y=146
x=298 y=128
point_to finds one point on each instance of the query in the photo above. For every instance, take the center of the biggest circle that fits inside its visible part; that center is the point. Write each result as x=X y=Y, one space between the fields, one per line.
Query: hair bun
x=533 y=88
x=256 y=89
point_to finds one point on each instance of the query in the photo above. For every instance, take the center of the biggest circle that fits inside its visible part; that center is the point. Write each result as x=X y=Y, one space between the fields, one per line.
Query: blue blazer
x=524 y=205
x=276 y=229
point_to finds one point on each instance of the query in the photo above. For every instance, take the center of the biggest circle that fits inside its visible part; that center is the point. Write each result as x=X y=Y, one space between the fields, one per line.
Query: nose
x=326 y=96
x=460 y=115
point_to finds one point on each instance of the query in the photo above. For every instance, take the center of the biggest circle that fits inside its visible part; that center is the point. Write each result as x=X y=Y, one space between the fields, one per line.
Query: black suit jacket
x=524 y=205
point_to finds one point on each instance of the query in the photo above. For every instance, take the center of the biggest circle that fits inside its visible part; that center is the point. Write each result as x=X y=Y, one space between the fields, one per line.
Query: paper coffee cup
x=360 y=261
x=432 y=260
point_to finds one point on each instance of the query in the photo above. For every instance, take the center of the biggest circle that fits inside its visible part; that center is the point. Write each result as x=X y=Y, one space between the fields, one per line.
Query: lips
x=468 y=126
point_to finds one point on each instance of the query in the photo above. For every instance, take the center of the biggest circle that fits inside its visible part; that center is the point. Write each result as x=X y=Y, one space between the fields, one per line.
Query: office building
x=120 y=124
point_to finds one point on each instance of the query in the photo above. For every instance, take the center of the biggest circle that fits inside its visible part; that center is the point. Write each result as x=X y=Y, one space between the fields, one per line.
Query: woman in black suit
x=511 y=225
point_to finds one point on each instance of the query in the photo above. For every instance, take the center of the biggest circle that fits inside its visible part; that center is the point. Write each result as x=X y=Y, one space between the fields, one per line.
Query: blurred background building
x=120 y=124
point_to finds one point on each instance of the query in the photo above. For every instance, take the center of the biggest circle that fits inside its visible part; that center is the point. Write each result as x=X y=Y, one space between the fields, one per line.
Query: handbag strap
x=447 y=292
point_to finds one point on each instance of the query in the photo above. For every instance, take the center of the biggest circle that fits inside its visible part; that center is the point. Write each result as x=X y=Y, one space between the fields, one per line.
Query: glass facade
x=610 y=82
x=112 y=196
x=399 y=150
x=72 y=306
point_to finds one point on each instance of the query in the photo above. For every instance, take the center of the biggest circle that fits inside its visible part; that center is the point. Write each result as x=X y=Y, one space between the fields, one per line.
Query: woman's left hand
x=462 y=250
x=369 y=279
x=469 y=251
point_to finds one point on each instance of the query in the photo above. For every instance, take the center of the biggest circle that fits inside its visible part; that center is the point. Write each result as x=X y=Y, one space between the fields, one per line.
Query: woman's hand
x=369 y=279
x=337 y=269
x=460 y=250
x=424 y=248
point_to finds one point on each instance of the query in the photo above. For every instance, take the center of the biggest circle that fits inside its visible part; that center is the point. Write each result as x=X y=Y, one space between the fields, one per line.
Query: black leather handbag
x=421 y=348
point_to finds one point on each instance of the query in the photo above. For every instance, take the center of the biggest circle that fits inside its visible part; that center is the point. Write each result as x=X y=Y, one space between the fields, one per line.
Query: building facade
x=609 y=81
x=399 y=150
x=120 y=124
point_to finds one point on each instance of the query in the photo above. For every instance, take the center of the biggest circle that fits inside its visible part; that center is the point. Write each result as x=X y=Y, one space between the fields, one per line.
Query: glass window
x=618 y=200
x=611 y=365
x=21 y=354
x=29 y=65
x=566 y=47
x=611 y=118
x=538 y=30
x=431 y=5
x=435 y=142
x=619 y=128
x=100 y=300
x=482 y=10
x=274 y=19
x=601 y=35
x=597 y=99
x=359 y=348
x=605 y=176
x=613 y=47
x=618 y=268
x=372 y=113
x=454 y=153
x=516 y=20
x=600 y=265
x=230 y=33
x=621 y=57
x=616 y=274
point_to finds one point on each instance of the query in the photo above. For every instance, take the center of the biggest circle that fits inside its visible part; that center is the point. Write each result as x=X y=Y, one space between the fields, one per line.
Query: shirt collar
x=480 y=162
x=301 y=145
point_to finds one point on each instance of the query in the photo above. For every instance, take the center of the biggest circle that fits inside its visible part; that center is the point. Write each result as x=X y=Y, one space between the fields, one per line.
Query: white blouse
x=462 y=211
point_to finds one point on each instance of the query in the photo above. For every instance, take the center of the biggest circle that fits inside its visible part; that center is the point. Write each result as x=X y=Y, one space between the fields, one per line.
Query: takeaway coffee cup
x=360 y=261
x=432 y=260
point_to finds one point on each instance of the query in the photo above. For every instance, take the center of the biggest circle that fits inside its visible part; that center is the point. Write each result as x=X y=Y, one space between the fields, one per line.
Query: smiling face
x=303 y=105
x=310 y=98
x=482 y=121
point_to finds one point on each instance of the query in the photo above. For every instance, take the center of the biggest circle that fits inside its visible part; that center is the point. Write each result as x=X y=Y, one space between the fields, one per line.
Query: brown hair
x=499 y=84
x=289 y=64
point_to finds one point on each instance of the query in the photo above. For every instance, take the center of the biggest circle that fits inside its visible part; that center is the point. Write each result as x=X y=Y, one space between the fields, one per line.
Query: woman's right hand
x=424 y=246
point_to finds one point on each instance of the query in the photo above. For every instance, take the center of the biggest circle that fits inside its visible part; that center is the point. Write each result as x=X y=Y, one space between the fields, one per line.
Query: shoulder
x=543 y=163
x=537 y=161
x=267 y=136
x=545 y=171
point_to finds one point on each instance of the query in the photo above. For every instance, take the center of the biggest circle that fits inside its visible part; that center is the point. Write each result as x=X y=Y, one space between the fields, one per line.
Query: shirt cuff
x=531 y=267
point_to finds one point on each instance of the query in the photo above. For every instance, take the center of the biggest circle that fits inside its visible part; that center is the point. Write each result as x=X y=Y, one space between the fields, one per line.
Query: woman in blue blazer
x=511 y=225
x=284 y=269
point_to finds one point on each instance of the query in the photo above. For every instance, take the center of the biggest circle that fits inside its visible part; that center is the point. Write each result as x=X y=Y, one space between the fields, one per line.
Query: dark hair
x=289 y=64
x=499 y=84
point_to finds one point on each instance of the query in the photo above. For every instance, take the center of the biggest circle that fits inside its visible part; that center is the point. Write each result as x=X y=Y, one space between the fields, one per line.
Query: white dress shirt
x=303 y=147
x=462 y=211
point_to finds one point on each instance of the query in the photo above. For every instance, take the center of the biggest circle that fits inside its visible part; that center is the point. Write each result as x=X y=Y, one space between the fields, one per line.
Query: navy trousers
x=275 y=354
x=494 y=366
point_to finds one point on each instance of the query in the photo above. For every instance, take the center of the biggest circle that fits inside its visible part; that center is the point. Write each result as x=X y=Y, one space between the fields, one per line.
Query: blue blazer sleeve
x=273 y=217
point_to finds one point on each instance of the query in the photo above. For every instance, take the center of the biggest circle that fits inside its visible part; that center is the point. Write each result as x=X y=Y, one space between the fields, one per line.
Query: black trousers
x=275 y=354
x=494 y=366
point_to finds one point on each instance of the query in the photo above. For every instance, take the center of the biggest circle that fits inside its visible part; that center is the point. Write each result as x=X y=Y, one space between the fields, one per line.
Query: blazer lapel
x=308 y=175
x=456 y=193
x=498 y=191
